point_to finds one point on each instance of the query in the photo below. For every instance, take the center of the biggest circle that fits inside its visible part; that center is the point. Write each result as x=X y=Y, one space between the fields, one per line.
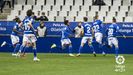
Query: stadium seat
x=128 y=19
x=59 y=2
x=79 y=18
x=27 y=7
x=50 y=2
x=18 y=7
x=108 y=19
x=126 y=2
x=116 y=2
x=66 y=8
x=121 y=13
x=94 y=8
x=72 y=13
x=130 y=13
x=91 y=13
x=63 y=13
x=51 y=18
x=78 y=2
x=102 y=13
x=104 y=8
x=131 y=8
x=52 y=13
x=82 y=13
x=30 y=2
x=114 y=8
x=56 y=7
x=37 y=7
x=47 y=8
x=87 y=2
x=70 y=18
x=40 y=2
x=59 y=18
x=124 y=8
x=84 y=8
x=22 y=2
x=75 y=8
x=111 y=14
x=68 y=2
x=108 y=2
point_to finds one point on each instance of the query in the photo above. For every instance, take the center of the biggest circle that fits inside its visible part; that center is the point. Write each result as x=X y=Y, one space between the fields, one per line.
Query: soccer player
x=65 y=41
x=29 y=36
x=112 y=31
x=15 y=37
x=88 y=33
x=98 y=32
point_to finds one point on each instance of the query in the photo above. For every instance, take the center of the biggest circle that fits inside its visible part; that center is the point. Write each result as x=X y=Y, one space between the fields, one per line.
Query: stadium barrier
x=53 y=36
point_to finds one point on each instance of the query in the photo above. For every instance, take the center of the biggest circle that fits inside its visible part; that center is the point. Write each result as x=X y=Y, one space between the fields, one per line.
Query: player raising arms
x=98 y=32
x=65 y=41
x=18 y=27
x=88 y=31
x=29 y=36
x=112 y=31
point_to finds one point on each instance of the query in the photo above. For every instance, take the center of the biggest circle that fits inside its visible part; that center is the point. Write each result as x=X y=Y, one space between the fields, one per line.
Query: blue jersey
x=28 y=29
x=66 y=32
x=87 y=29
x=112 y=30
x=97 y=26
x=17 y=28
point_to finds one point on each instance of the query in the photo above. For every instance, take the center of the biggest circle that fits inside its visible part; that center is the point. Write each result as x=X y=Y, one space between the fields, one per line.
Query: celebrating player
x=15 y=37
x=111 y=33
x=87 y=36
x=65 y=41
x=98 y=30
x=29 y=36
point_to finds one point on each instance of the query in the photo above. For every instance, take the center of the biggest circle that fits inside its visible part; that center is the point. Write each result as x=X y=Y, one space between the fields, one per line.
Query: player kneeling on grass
x=87 y=36
x=18 y=27
x=65 y=41
x=112 y=31
x=29 y=35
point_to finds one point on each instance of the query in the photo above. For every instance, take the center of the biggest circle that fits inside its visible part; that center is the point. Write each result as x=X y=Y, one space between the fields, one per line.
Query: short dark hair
x=29 y=12
x=85 y=19
x=96 y=17
x=114 y=19
x=66 y=22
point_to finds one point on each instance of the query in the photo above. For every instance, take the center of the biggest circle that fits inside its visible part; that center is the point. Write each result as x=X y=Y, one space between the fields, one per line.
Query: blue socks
x=70 y=49
x=80 y=48
x=116 y=51
x=16 y=48
x=92 y=48
x=21 y=48
x=35 y=52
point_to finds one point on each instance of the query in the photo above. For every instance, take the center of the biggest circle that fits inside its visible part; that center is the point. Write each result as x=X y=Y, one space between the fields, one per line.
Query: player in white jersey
x=29 y=35
x=88 y=33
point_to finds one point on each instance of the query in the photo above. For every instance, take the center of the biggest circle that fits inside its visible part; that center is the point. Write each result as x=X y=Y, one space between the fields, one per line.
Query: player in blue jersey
x=29 y=36
x=65 y=41
x=88 y=36
x=18 y=27
x=112 y=31
x=98 y=32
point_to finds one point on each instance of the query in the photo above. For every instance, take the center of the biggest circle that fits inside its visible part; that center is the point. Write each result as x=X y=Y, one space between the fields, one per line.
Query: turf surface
x=62 y=64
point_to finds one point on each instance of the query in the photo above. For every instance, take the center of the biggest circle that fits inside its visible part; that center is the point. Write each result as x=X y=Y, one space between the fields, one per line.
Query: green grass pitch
x=62 y=64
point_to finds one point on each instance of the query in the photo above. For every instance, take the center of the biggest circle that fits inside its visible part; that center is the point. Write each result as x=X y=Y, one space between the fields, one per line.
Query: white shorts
x=29 y=38
x=14 y=39
x=65 y=41
x=113 y=41
x=98 y=37
x=85 y=39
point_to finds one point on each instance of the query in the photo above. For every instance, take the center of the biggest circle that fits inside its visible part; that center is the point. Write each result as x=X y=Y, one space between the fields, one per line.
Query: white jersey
x=78 y=31
x=41 y=31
